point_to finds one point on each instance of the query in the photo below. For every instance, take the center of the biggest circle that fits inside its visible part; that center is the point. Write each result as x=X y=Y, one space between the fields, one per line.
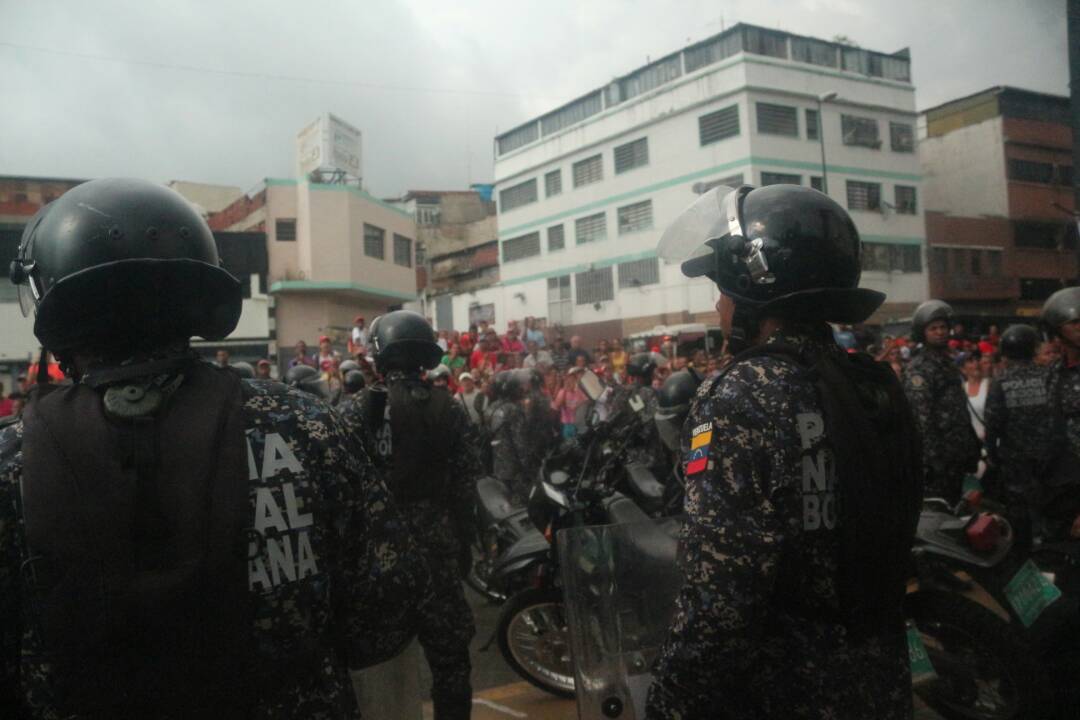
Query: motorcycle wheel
x=535 y=641
x=985 y=670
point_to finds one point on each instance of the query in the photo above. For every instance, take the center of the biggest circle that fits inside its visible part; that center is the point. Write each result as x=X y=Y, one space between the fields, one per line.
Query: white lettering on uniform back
x=818 y=474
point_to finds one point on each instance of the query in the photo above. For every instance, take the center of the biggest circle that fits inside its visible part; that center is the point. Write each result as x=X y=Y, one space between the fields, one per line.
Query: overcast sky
x=215 y=91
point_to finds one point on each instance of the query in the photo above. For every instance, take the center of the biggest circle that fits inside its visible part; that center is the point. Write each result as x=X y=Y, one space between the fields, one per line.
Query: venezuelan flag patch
x=698 y=459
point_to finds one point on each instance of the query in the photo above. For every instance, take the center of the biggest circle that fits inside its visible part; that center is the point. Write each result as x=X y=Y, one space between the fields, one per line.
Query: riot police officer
x=176 y=542
x=636 y=397
x=507 y=425
x=1059 y=492
x=1017 y=422
x=422 y=443
x=934 y=387
x=800 y=505
x=541 y=429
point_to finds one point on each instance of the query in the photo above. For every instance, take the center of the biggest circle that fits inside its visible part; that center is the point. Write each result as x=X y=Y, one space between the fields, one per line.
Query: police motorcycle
x=575 y=487
x=994 y=627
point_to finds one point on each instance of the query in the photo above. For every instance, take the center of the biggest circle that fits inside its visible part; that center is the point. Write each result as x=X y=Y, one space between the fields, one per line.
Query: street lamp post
x=823 y=98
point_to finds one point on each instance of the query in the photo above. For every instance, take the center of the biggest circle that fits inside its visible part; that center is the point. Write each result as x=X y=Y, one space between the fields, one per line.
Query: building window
x=421 y=255
x=719 y=125
x=812 y=126
x=553 y=183
x=772 y=178
x=590 y=228
x=374 y=241
x=427 y=213
x=860 y=131
x=976 y=262
x=994 y=257
x=902 y=137
x=905 y=200
x=1049 y=236
x=777 y=120
x=863 y=195
x=518 y=138
x=939 y=260
x=285 y=229
x=814 y=52
x=733 y=181
x=402 y=250
x=765 y=42
x=709 y=52
x=817 y=183
x=559 y=307
x=571 y=113
x=556 y=238
x=594 y=286
x=883 y=257
x=1038 y=288
x=1029 y=171
x=518 y=195
x=639 y=272
x=635 y=217
x=521 y=247
x=632 y=155
x=588 y=171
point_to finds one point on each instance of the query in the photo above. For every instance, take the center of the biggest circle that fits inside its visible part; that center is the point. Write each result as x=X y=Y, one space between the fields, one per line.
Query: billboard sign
x=328 y=144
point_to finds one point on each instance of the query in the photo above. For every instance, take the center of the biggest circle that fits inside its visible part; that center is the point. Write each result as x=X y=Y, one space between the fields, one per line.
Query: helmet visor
x=712 y=215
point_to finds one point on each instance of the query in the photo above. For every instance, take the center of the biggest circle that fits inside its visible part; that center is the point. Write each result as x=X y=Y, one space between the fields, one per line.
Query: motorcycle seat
x=653 y=544
x=495 y=499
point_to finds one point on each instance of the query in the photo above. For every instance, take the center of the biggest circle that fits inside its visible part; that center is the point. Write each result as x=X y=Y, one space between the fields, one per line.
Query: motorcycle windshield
x=706 y=218
x=620 y=584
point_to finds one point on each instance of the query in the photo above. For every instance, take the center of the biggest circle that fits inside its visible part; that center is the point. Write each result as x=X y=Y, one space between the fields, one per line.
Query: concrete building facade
x=585 y=191
x=998 y=181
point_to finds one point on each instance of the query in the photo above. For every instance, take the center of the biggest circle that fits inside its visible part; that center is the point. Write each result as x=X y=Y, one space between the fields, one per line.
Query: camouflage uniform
x=542 y=423
x=641 y=400
x=440 y=525
x=934 y=387
x=512 y=450
x=1018 y=426
x=1059 y=491
x=756 y=632
x=334 y=562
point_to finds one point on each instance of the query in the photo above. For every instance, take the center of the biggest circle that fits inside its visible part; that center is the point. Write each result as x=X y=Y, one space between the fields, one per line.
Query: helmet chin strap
x=745 y=324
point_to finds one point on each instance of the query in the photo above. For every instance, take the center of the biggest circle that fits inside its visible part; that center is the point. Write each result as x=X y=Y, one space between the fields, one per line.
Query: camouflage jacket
x=511 y=446
x=1065 y=404
x=934 y=387
x=1018 y=420
x=757 y=631
x=334 y=560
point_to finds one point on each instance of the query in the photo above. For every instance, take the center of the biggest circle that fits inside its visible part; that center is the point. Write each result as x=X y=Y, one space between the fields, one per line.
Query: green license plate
x=922 y=669
x=1030 y=593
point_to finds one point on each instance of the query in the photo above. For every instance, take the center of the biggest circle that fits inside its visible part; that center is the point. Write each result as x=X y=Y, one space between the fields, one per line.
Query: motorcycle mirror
x=591 y=385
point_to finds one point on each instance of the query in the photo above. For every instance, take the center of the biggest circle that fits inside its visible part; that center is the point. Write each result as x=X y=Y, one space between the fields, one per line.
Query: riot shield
x=620 y=583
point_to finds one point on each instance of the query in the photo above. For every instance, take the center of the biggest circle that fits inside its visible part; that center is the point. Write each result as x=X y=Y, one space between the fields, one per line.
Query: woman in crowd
x=568 y=400
x=975 y=386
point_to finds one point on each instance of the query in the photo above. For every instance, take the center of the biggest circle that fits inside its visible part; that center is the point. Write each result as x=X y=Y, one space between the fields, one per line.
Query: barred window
x=774 y=178
x=556 y=238
x=635 y=217
x=719 y=125
x=905 y=200
x=812 y=125
x=777 y=120
x=882 y=257
x=860 y=131
x=590 y=229
x=519 y=137
x=589 y=170
x=712 y=51
x=815 y=52
x=1029 y=171
x=902 y=137
x=374 y=241
x=594 y=286
x=639 y=272
x=765 y=42
x=733 y=181
x=553 y=183
x=402 y=250
x=521 y=247
x=518 y=195
x=863 y=195
x=571 y=113
x=632 y=155
x=645 y=79
x=285 y=229
x=817 y=183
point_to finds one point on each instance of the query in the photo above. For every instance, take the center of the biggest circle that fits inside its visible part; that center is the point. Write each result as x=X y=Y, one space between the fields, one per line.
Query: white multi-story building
x=585 y=191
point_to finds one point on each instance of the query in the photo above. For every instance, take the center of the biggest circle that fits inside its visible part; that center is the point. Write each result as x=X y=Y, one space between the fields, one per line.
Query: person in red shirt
x=5 y=403
x=511 y=343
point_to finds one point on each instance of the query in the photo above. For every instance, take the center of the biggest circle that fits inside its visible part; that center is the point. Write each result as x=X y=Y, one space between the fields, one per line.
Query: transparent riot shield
x=620 y=583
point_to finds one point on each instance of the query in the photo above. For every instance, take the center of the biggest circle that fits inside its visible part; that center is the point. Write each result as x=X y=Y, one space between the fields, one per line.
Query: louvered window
x=635 y=217
x=631 y=155
x=518 y=195
x=902 y=137
x=905 y=200
x=285 y=229
x=519 y=137
x=553 y=183
x=815 y=52
x=777 y=120
x=594 y=286
x=556 y=238
x=588 y=171
x=771 y=178
x=590 y=229
x=812 y=125
x=521 y=247
x=402 y=250
x=719 y=125
x=860 y=131
x=639 y=272
x=863 y=195
x=374 y=241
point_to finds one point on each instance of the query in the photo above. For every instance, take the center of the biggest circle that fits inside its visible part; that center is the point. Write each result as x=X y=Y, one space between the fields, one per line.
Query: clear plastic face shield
x=23 y=268
x=713 y=215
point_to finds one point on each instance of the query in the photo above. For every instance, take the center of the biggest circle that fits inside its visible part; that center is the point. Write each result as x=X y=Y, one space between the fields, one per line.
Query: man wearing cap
x=358 y=340
x=262 y=370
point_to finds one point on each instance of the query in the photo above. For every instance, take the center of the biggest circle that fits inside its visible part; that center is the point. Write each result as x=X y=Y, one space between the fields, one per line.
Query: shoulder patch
x=916 y=381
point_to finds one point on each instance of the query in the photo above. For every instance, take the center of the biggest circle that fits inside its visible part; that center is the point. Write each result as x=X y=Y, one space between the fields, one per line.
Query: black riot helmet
x=404 y=340
x=673 y=405
x=1060 y=308
x=643 y=365
x=123 y=264
x=354 y=381
x=347 y=366
x=928 y=312
x=1018 y=342
x=308 y=379
x=507 y=385
x=243 y=369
